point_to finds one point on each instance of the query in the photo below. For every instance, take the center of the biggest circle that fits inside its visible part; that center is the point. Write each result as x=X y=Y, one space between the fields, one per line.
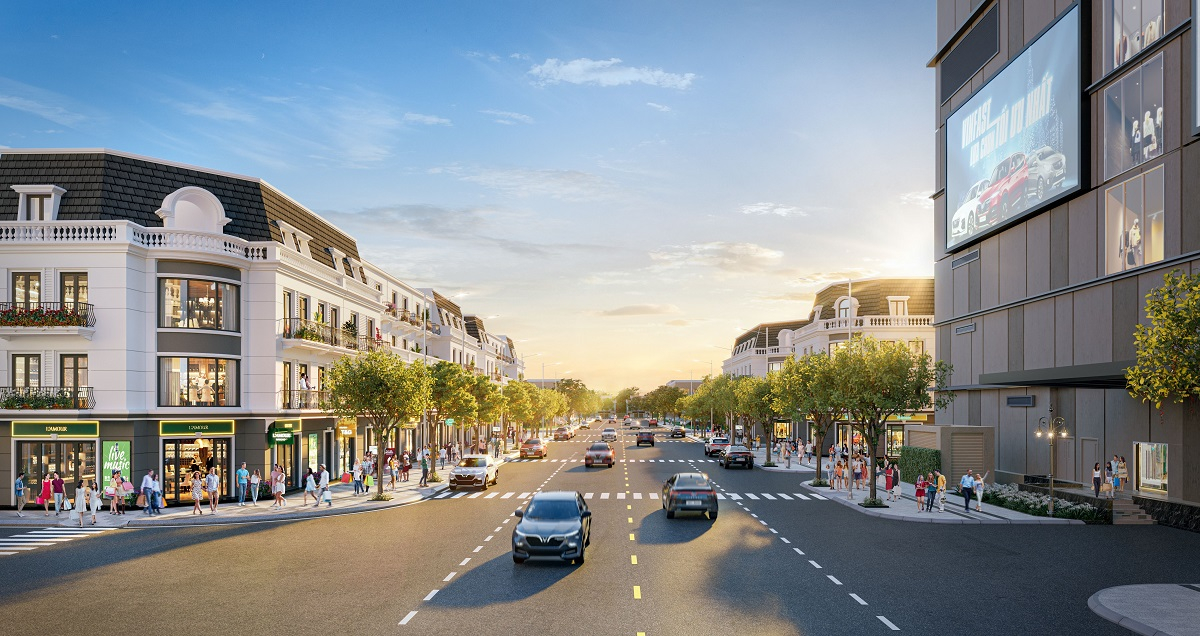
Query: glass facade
x=198 y=304
x=198 y=382
x=182 y=458
x=1129 y=27
x=73 y=461
x=1133 y=118
x=1133 y=221
x=1151 y=469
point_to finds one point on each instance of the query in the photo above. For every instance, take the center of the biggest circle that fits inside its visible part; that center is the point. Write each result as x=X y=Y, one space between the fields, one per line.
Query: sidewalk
x=1151 y=610
x=781 y=464
x=906 y=509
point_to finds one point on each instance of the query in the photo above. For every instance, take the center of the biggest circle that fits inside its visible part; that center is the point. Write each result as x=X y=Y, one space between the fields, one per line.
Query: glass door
x=175 y=483
x=1151 y=469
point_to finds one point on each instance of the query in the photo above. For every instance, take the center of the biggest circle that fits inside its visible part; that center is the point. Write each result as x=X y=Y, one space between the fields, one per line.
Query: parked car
x=474 y=470
x=599 y=453
x=715 y=445
x=562 y=434
x=533 y=447
x=609 y=435
x=678 y=431
x=645 y=437
x=555 y=524
x=689 y=492
x=739 y=455
x=965 y=221
x=1047 y=170
x=1007 y=192
x=653 y=421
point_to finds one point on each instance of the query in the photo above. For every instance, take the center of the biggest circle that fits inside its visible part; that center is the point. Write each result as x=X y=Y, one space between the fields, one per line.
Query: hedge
x=918 y=461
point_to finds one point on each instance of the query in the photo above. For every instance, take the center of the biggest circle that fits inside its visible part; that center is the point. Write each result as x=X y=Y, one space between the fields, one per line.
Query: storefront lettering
x=56 y=429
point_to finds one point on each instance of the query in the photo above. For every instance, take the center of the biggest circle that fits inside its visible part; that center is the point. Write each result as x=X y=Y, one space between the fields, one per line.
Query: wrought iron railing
x=314 y=331
x=22 y=314
x=46 y=397
x=302 y=398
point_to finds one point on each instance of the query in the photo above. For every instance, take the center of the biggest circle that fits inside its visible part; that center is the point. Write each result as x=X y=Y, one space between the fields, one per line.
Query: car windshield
x=473 y=462
x=552 y=509
x=609 y=430
x=719 y=440
x=600 y=447
x=531 y=442
x=738 y=449
x=691 y=481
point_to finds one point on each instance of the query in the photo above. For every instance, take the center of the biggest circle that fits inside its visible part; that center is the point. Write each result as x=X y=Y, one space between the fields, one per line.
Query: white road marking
x=783 y=496
x=465 y=561
x=477 y=548
x=857 y=598
x=637 y=495
x=654 y=495
x=491 y=495
x=588 y=495
x=449 y=576
x=498 y=529
x=816 y=496
x=620 y=495
x=508 y=495
x=408 y=617
x=430 y=595
x=799 y=496
x=814 y=564
x=784 y=539
x=720 y=496
x=461 y=494
x=25 y=546
x=489 y=537
x=604 y=495
x=752 y=496
x=762 y=522
x=523 y=495
x=475 y=494
x=734 y=496
x=773 y=530
x=890 y=624
x=766 y=496
x=832 y=578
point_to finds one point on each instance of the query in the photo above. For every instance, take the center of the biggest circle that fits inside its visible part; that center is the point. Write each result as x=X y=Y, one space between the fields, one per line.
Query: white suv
x=608 y=435
x=475 y=470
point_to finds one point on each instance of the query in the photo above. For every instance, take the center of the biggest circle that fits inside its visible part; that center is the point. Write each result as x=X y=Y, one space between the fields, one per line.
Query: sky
x=621 y=187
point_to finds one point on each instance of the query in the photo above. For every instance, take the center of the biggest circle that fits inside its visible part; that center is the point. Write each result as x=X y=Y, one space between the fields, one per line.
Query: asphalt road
x=445 y=564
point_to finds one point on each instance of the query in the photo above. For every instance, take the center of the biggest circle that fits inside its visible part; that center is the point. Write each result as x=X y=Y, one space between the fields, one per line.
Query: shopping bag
x=41 y=500
x=370 y=480
x=141 y=501
x=327 y=496
x=347 y=478
x=110 y=492
x=1106 y=487
x=128 y=486
x=66 y=504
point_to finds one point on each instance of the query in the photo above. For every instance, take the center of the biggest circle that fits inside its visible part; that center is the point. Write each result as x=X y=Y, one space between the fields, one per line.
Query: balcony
x=296 y=399
x=46 y=398
x=41 y=319
x=322 y=338
x=41 y=233
x=400 y=321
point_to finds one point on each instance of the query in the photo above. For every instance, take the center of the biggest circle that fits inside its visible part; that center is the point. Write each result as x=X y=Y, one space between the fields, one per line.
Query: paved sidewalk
x=906 y=509
x=1151 y=610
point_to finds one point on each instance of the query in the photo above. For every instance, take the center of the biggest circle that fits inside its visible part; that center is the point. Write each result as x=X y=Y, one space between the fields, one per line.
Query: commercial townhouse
x=158 y=315
x=886 y=308
x=1067 y=182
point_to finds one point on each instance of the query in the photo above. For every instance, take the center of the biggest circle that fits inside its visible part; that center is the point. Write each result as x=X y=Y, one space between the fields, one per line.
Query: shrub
x=1031 y=503
x=918 y=461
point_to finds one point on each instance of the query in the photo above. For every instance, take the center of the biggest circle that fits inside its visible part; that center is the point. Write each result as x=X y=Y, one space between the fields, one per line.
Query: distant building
x=689 y=386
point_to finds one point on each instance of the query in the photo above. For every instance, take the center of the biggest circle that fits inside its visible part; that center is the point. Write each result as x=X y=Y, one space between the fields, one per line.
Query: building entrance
x=184 y=457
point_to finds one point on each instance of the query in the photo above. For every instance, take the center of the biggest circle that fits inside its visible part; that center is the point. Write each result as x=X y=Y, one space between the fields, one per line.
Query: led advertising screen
x=1015 y=145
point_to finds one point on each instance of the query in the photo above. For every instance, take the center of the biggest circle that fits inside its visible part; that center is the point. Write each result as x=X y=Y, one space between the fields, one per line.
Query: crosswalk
x=623 y=495
x=43 y=537
x=620 y=461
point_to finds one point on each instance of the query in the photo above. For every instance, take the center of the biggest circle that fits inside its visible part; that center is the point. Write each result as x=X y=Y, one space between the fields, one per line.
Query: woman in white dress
x=94 y=501
x=279 y=488
x=310 y=486
x=255 y=479
x=83 y=496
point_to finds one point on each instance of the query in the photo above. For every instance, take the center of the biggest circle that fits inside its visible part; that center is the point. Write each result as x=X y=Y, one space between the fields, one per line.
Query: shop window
x=1129 y=27
x=1133 y=226
x=198 y=304
x=1133 y=118
x=26 y=289
x=73 y=461
x=895 y=439
x=917 y=346
x=1151 y=469
x=74 y=288
x=27 y=370
x=197 y=382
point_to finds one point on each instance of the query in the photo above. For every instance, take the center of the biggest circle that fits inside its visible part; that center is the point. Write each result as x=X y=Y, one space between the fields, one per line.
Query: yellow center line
x=631 y=520
x=633 y=559
x=631 y=536
x=637 y=592
x=628 y=507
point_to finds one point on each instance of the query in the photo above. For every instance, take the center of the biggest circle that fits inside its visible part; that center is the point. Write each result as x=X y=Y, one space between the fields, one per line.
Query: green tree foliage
x=812 y=387
x=580 y=399
x=664 y=400
x=452 y=397
x=379 y=387
x=490 y=402
x=715 y=396
x=1168 y=350
x=519 y=404
x=753 y=403
x=626 y=395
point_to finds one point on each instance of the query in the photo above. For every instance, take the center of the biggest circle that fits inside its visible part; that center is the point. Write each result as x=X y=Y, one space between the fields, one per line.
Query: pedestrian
x=255 y=480
x=887 y=481
x=442 y=457
x=323 y=488
x=405 y=467
x=58 y=488
x=858 y=472
x=941 y=491
x=47 y=494
x=243 y=480
x=278 y=485
x=82 y=495
x=310 y=485
x=94 y=502
x=787 y=454
x=394 y=471
x=921 y=484
x=1097 y=476
x=156 y=497
x=115 y=491
x=967 y=486
x=1122 y=472
x=212 y=483
x=930 y=491
x=979 y=488
x=197 y=493
x=896 y=488
x=147 y=492
x=1108 y=480
x=424 y=472
x=357 y=474
x=19 y=489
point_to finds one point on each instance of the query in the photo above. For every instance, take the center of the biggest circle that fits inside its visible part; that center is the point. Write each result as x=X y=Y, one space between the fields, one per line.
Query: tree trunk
x=770 y=442
x=872 y=442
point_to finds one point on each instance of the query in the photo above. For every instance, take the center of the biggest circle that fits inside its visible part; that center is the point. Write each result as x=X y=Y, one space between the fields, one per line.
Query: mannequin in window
x=1135 y=143
x=1149 y=137
x=1131 y=244
x=1150 y=33
x=206 y=392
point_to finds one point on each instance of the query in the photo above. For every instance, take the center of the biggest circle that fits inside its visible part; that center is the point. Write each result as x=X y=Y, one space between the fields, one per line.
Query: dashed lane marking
x=799 y=551
x=637 y=593
x=834 y=579
x=784 y=539
x=857 y=598
x=815 y=564
x=465 y=561
x=408 y=617
x=477 y=548
x=890 y=624
x=449 y=576
x=430 y=595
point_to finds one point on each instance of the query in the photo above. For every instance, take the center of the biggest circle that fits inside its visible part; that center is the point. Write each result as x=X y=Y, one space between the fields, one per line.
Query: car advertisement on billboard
x=1015 y=145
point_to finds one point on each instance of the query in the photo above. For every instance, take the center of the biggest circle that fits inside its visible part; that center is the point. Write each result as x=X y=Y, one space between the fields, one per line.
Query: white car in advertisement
x=965 y=221
x=475 y=471
x=1047 y=170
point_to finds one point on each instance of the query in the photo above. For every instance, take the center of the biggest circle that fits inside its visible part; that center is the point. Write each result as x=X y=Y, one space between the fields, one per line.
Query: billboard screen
x=1014 y=146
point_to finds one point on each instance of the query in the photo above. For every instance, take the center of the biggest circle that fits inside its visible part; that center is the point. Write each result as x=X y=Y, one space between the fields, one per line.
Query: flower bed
x=42 y=317
x=1013 y=498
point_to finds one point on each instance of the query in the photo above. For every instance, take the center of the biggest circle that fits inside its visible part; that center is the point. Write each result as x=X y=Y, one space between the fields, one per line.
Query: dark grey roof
x=447 y=304
x=103 y=185
x=475 y=328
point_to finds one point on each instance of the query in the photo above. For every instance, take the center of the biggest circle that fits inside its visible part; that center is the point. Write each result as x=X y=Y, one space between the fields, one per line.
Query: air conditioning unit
x=1023 y=401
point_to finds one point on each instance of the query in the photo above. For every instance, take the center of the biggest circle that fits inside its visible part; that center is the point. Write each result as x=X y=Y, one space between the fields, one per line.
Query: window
x=898 y=305
x=197 y=382
x=287 y=376
x=27 y=370
x=198 y=304
x=333 y=317
x=1133 y=118
x=371 y=328
x=1133 y=222
x=1129 y=27
x=916 y=346
x=38 y=207
x=73 y=370
x=27 y=288
x=74 y=289
x=844 y=308
x=287 y=305
x=320 y=315
x=304 y=307
x=38 y=202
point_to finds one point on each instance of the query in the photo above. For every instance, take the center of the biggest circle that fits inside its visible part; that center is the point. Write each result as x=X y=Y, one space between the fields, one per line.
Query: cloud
x=727 y=257
x=608 y=72
x=821 y=278
x=39 y=102
x=778 y=209
x=568 y=185
x=508 y=118
x=219 y=111
x=789 y=297
x=679 y=323
x=920 y=198
x=640 y=310
x=428 y=120
x=659 y=107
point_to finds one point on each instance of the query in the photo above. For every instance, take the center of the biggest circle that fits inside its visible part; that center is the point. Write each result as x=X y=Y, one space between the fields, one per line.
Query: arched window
x=844 y=308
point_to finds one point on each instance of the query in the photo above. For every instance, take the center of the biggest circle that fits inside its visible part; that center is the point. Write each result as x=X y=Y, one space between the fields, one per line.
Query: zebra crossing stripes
x=621 y=461
x=50 y=538
x=44 y=537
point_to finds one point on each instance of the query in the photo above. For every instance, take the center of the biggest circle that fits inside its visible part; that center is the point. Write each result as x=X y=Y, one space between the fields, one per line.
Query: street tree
x=519 y=405
x=664 y=400
x=886 y=379
x=811 y=387
x=453 y=400
x=754 y=403
x=382 y=389
x=577 y=395
x=489 y=402
x=624 y=397
x=1168 y=350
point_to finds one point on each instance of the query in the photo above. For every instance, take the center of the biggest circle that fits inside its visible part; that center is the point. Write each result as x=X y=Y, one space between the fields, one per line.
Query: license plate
x=693 y=502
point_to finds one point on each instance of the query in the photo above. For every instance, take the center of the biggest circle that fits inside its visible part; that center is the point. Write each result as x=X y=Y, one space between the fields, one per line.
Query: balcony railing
x=313 y=331
x=302 y=398
x=47 y=315
x=46 y=397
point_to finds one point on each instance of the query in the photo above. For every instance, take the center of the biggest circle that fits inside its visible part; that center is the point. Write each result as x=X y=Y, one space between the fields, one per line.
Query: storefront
x=347 y=446
x=1150 y=467
x=195 y=446
x=281 y=437
x=43 y=447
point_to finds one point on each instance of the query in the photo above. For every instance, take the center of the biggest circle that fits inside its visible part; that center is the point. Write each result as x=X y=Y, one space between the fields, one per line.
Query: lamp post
x=1052 y=428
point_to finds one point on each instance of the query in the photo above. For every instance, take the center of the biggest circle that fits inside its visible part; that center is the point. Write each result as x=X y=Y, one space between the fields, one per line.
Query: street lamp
x=1052 y=428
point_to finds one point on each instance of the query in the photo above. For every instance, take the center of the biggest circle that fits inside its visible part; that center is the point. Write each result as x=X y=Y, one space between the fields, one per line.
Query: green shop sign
x=62 y=429
x=115 y=455
x=191 y=428
x=280 y=432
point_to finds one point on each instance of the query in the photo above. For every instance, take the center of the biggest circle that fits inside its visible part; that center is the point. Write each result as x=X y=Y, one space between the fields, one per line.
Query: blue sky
x=624 y=186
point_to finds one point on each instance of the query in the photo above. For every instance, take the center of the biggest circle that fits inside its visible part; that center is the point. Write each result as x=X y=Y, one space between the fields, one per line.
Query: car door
x=584 y=521
x=667 y=485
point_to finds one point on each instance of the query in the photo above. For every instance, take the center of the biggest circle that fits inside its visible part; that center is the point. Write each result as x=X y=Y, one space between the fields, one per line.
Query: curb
x=950 y=520
x=1107 y=614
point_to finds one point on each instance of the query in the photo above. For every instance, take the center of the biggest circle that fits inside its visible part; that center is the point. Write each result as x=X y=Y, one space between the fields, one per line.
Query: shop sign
x=914 y=417
x=192 y=428
x=60 y=429
x=389 y=453
x=281 y=438
x=495 y=429
x=345 y=431
x=290 y=425
x=115 y=455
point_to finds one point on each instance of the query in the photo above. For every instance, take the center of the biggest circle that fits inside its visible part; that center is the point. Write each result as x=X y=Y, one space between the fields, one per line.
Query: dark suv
x=554 y=524
x=678 y=431
x=645 y=437
x=737 y=455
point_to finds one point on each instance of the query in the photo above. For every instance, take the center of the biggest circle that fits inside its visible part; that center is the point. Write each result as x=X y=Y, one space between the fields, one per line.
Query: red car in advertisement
x=1006 y=195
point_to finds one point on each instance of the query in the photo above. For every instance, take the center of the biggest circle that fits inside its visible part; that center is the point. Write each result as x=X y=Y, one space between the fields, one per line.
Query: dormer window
x=897 y=305
x=845 y=308
x=816 y=311
x=292 y=237
x=38 y=202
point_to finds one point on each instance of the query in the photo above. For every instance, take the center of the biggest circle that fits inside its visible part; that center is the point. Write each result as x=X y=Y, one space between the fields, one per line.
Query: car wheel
x=484 y=482
x=712 y=515
x=670 y=513
x=1041 y=189
x=664 y=503
x=453 y=488
x=579 y=559
x=496 y=479
x=972 y=223
x=518 y=560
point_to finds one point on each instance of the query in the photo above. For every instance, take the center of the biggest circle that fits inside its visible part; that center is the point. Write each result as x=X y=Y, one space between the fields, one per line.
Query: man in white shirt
x=148 y=492
x=323 y=487
x=967 y=485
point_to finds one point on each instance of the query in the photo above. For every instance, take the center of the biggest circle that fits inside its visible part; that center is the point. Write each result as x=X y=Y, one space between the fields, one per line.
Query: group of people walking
x=931 y=489
x=1111 y=479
